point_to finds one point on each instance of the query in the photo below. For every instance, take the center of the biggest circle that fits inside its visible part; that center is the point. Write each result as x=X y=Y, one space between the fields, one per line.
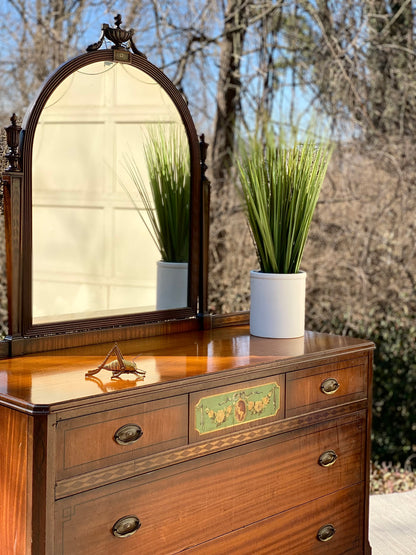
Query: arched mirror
x=93 y=252
x=104 y=200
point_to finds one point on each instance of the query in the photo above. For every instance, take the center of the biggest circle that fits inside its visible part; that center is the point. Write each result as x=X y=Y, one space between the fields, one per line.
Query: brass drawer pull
x=326 y=533
x=126 y=526
x=328 y=458
x=329 y=386
x=129 y=433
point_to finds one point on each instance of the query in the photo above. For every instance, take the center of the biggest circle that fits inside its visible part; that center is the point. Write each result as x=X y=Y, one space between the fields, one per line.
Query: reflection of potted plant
x=166 y=201
x=280 y=183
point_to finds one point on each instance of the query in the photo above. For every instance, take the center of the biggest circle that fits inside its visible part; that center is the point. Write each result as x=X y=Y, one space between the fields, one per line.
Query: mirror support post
x=204 y=239
x=12 y=199
x=12 y=182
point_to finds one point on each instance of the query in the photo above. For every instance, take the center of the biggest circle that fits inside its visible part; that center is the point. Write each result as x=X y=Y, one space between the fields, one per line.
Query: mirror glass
x=93 y=254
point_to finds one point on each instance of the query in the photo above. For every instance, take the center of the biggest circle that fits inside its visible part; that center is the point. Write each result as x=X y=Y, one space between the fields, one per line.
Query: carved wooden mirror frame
x=24 y=336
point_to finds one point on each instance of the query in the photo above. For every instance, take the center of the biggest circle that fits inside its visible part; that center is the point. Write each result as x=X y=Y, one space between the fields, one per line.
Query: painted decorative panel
x=233 y=408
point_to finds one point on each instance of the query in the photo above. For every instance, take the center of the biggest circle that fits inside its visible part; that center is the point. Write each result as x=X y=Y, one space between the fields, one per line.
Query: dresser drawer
x=325 y=386
x=224 y=410
x=336 y=519
x=184 y=505
x=110 y=437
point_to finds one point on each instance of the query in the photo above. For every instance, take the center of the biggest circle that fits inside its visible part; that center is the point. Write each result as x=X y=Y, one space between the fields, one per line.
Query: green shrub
x=394 y=390
x=394 y=381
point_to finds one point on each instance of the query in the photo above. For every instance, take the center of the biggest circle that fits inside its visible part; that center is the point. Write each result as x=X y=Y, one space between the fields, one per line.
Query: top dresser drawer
x=111 y=437
x=325 y=386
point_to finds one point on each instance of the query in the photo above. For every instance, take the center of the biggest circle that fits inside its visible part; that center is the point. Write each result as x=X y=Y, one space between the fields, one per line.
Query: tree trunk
x=228 y=90
x=391 y=62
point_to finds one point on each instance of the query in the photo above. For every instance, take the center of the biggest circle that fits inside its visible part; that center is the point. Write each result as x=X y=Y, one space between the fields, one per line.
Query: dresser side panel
x=16 y=439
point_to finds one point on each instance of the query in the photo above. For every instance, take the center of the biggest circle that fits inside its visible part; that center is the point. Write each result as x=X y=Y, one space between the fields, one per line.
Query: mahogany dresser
x=231 y=444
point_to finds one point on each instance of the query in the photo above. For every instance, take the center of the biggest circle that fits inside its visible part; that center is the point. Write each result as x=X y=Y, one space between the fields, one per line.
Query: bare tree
x=40 y=36
x=360 y=60
x=234 y=60
x=392 y=64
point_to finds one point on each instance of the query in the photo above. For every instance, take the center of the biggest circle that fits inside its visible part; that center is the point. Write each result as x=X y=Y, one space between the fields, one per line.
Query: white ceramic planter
x=172 y=285
x=277 y=304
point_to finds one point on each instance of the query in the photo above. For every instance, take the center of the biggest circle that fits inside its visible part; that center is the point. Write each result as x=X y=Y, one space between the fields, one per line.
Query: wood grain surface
x=192 y=502
x=65 y=481
x=35 y=382
x=15 y=482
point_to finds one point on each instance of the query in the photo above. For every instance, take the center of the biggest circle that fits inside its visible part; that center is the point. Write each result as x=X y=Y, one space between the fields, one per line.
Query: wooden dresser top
x=56 y=380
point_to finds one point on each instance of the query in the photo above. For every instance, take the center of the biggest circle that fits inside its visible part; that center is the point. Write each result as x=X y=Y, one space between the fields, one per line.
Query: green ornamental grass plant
x=167 y=194
x=280 y=185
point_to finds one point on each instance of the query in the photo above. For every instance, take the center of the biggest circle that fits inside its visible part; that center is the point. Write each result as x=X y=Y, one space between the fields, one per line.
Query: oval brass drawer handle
x=328 y=458
x=129 y=433
x=126 y=526
x=329 y=386
x=326 y=533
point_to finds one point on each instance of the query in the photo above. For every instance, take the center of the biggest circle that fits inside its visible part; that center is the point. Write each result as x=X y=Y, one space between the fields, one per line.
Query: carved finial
x=13 y=138
x=118 y=36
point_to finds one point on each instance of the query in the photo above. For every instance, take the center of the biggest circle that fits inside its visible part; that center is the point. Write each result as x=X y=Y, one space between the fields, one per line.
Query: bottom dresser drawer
x=183 y=506
x=331 y=525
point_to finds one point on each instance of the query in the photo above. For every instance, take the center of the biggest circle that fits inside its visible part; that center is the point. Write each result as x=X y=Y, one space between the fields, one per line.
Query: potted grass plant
x=280 y=184
x=165 y=195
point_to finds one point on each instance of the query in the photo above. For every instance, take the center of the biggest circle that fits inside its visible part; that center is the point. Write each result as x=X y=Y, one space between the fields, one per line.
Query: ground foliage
x=391 y=478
